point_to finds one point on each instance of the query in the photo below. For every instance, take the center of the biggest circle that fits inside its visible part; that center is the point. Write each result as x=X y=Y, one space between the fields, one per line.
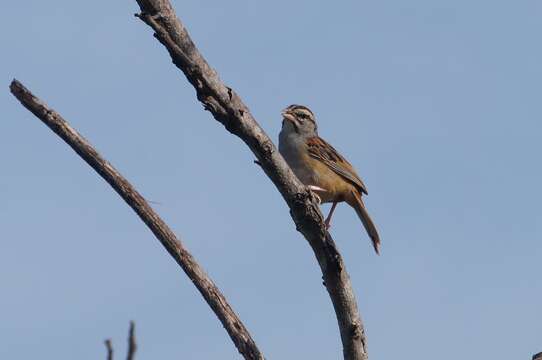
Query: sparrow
x=322 y=168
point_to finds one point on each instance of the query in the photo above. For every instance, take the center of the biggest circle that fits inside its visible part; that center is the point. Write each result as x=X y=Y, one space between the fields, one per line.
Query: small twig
x=109 y=347
x=132 y=346
x=218 y=303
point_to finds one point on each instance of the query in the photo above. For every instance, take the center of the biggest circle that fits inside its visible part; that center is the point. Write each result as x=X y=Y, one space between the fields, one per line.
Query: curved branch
x=228 y=108
x=218 y=303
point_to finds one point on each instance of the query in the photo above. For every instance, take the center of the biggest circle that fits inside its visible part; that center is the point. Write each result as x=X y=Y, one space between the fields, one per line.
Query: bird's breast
x=311 y=171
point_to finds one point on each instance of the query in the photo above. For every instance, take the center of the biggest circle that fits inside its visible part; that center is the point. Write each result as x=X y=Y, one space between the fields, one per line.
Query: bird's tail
x=356 y=202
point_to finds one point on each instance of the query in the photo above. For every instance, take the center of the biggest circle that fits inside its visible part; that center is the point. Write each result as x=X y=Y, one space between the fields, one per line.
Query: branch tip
x=132 y=345
x=109 y=347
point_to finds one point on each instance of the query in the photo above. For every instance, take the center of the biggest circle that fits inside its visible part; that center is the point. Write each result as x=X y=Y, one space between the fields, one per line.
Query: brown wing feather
x=321 y=150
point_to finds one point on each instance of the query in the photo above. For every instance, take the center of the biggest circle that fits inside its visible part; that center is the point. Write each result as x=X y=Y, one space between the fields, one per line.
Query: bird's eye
x=302 y=115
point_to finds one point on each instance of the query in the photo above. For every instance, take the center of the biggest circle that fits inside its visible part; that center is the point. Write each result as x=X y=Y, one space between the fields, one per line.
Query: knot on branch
x=267 y=148
x=332 y=253
x=357 y=331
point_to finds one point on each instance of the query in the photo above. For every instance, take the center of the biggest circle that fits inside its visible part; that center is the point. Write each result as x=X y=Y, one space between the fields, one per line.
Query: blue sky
x=437 y=104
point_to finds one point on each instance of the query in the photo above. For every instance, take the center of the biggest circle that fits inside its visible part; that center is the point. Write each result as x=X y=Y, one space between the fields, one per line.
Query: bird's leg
x=328 y=218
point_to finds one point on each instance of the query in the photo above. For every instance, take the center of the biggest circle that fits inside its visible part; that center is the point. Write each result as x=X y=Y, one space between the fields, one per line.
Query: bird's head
x=300 y=119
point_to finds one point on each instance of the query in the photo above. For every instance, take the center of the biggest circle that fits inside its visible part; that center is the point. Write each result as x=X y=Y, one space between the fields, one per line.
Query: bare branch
x=109 y=347
x=132 y=346
x=228 y=108
x=235 y=328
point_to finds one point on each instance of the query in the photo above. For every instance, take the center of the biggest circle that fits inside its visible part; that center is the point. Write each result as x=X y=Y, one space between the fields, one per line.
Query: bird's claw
x=313 y=189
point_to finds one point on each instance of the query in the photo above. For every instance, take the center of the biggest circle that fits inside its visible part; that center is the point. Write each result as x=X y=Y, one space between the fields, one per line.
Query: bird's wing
x=320 y=150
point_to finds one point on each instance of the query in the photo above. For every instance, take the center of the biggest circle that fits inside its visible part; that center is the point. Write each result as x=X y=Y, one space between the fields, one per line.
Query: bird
x=322 y=168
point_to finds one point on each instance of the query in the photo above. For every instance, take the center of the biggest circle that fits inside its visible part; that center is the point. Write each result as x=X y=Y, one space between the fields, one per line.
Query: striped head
x=300 y=118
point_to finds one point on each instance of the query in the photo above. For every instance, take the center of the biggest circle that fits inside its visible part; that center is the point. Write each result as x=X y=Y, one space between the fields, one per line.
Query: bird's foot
x=314 y=189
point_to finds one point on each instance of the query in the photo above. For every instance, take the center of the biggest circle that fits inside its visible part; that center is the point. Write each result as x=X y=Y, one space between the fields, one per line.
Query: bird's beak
x=287 y=116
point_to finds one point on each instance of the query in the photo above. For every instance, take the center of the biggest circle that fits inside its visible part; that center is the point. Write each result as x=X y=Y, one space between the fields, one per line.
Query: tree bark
x=227 y=107
x=218 y=303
